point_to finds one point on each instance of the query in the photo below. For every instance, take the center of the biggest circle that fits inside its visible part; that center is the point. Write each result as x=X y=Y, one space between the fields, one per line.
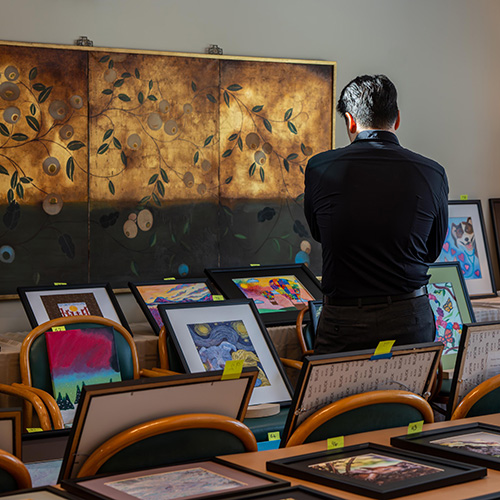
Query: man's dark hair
x=371 y=100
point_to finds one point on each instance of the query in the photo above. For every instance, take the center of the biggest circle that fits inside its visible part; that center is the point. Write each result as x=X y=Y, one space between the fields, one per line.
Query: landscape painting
x=78 y=358
x=485 y=443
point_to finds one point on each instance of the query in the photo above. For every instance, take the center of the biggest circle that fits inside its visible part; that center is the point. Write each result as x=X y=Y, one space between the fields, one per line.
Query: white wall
x=441 y=54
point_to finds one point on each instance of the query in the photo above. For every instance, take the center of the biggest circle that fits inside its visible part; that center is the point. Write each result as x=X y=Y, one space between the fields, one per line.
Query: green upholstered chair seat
x=7 y=482
x=365 y=419
x=489 y=403
x=173 y=447
x=261 y=427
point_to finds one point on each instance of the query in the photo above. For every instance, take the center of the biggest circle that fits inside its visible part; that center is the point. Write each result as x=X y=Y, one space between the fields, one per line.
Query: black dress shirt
x=380 y=213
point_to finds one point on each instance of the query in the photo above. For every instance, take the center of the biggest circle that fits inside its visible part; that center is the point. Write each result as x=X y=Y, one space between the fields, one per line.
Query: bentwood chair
x=34 y=362
x=164 y=441
x=13 y=473
x=482 y=400
x=364 y=412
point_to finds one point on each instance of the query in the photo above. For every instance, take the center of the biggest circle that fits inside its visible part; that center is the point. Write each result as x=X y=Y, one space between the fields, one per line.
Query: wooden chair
x=34 y=363
x=13 y=473
x=305 y=334
x=482 y=400
x=180 y=438
x=362 y=413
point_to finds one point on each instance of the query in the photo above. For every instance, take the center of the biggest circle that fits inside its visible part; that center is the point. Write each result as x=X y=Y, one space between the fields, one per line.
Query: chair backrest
x=305 y=334
x=180 y=438
x=34 y=362
x=364 y=412
x=13 y=473
x=482 y=400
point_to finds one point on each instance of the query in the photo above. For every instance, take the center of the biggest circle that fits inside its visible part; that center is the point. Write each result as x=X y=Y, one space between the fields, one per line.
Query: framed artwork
x=207 y=479
x=279 y=292
x=478 y=360
x=45 y=493
x=467 y=244
x=43 y=303
x=315 y=308
x=476 y=443
x=288 y=493
x=326 y=378
x=78 y=358
x=376 y=471
x=151 y=294
x=10 y=431
x=128 y=403
x=451 y=306
x=207 y=334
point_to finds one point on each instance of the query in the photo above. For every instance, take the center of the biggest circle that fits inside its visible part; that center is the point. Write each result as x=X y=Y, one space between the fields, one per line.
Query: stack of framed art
x=207 y=334
x=279 y=292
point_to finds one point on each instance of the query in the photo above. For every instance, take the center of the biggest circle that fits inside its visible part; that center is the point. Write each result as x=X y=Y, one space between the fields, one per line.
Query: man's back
x=380 y=213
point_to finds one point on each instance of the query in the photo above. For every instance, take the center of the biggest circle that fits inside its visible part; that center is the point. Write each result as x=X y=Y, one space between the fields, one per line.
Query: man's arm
x=440 y=226
x=309 y=196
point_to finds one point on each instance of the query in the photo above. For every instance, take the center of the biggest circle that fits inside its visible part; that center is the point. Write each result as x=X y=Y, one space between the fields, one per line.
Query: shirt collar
x=377 y=135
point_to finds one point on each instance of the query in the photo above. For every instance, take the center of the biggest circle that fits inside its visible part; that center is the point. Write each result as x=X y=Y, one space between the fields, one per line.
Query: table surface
x=489 y=484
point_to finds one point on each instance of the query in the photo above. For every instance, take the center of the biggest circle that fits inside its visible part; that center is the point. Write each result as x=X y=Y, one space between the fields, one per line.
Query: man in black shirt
x=380 y=213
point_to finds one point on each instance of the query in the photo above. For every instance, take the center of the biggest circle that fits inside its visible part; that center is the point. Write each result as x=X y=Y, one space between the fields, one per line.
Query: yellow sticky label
x=254 y=265
x=464 y=197
x=169 y=278
x=232 y=369
x=334 y=443
x=58 y=284
x=415 y=427
x=34 y=429
x=58 y=328
x=384 y=347
x=273 y=436
x=217 y=297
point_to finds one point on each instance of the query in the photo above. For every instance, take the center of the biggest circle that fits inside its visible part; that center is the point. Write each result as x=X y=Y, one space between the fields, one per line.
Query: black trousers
x=352 y=328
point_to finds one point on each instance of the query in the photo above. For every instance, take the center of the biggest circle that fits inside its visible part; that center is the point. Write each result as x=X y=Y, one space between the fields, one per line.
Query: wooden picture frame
x=476 y=360
x=467 y=244
x=41 y=303
x=11 y=431
x=447 y=443
x=151 y=398
x=43 y=493
x=329 y=468
x=326 y=378
x=201 y=290
x=226 y=477
x=207 y=334
x=451 y=306
x=284 y=306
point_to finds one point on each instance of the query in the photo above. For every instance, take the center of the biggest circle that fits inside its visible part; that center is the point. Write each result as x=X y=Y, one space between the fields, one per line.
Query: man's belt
x=371 y=301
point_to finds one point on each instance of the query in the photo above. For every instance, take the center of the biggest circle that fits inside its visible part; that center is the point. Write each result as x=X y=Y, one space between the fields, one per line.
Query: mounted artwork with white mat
x=466 y=243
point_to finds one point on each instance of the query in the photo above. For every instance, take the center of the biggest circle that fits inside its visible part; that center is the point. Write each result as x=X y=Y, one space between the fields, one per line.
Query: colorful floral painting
x=274 y=293
x=377 y=469
x=448 y=320
x=169 y=164
x=78 y=358
x=460 y=246
x=219 y=342
x=154 y=295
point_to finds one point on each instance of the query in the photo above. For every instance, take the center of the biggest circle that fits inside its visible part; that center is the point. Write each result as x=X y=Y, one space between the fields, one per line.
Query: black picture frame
x=177 y=316
x=93 y=488
x=31 y=297
x=319 y=382
x=315 y=308
x=290 y=492
x=423 y=442
x=223 y=279
x=478 y=256
x=449 y=471
x=128 y=403
x=495 y=221
x=42 y=493
x=154 y=320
